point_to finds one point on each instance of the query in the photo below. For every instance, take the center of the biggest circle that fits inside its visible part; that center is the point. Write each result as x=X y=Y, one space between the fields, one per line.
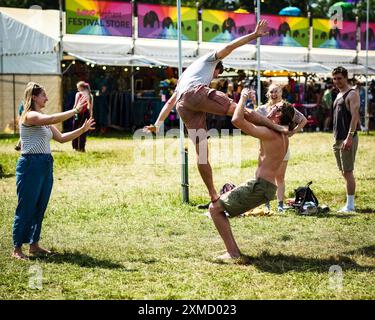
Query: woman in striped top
x=34 y=176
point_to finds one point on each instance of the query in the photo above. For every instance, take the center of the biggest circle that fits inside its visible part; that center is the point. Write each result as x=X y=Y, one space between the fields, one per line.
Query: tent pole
x=367 y=118
x=61 y=38
x=14 y=103
x=258 y=58
x=184 y=153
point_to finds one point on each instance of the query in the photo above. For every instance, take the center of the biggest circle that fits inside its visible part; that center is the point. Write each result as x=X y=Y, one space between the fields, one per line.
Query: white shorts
x=287 y=155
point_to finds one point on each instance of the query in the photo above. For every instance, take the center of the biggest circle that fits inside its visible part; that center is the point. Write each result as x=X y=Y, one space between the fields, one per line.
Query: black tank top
x=341 y=118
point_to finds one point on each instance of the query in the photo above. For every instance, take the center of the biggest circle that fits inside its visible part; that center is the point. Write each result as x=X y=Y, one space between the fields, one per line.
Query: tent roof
x=24 y=49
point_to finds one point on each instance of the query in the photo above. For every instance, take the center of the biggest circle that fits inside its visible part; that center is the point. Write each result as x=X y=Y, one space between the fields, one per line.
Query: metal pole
x=14 y=103
x=1 y=46
x=367 y=118
x=61 y=38
x=184 y=168
x=309 y=46
x=258 y=58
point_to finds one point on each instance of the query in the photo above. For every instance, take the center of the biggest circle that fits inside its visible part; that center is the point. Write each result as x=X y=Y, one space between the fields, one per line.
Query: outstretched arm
x=260 y=30
x=163 y=114
x=71 y=135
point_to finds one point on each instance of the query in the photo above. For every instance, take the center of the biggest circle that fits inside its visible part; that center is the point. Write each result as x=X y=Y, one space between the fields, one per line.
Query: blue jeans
x=34 y=180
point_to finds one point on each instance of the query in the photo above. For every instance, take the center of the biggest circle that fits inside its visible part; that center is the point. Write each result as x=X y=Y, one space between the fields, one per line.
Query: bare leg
x=350 y=182
x=223 y=227
x=280 y=181
x=205 y=169
x=257 y=119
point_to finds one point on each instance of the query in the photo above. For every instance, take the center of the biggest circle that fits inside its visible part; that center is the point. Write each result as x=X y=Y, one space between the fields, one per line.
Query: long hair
x=271 y=88
x=32 y=89
x=84 y=85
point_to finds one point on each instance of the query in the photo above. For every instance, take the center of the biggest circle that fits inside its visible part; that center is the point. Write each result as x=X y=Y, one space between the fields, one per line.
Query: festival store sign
x=327 y=34
x=107 y=18
x=224 y=26
x=160 y=22
x=371 y=36
x=286 y=31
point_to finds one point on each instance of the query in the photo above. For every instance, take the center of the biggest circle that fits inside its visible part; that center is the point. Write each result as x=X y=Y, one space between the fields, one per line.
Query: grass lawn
x=122 y=232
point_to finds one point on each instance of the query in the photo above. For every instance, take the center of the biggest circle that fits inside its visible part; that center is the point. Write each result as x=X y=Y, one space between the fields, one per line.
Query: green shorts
x=247 y=196
x=345 y=158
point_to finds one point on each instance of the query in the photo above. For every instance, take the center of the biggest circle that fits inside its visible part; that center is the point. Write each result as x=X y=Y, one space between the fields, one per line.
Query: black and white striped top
x=35 y=139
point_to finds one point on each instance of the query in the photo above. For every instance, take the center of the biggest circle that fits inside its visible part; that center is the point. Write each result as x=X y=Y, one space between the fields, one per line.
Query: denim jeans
x=34 y=180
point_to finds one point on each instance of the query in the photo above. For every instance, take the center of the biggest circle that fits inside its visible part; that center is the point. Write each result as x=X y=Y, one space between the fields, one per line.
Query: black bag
x=303 y=195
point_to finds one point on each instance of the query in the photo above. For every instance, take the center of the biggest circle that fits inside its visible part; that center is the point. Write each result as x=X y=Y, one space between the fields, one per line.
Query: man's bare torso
x=271 y=156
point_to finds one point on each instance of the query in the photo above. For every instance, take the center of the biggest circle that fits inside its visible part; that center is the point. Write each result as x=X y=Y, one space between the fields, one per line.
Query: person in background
x=345 y=125
x=34 y=171
x=326 y=107
x=274 y=95
x=79 y=144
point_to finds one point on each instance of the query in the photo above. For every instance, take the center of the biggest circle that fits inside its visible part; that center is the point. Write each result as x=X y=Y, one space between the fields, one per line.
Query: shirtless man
x=263 y=187
x=193 y=99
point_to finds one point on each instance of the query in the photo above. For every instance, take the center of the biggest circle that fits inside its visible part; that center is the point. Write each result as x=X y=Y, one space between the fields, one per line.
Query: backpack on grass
x=304 y=195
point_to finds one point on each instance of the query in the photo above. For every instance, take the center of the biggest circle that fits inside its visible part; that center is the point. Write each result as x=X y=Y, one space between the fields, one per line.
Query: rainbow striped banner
x=224 y=26
x=371 y=36
x=327 y=35
x=160 y=22
x=107 y=18
x=286 y=31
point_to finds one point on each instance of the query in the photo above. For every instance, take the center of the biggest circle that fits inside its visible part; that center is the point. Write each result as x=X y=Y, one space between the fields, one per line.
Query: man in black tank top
x=345 y=123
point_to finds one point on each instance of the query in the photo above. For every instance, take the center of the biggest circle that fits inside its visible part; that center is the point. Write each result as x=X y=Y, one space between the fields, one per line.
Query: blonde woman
x=84 y=90
x=34 y=176
x=274 y=96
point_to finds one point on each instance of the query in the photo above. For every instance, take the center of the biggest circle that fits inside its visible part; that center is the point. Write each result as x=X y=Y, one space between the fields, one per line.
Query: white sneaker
x=346 y=209
x=280 y=209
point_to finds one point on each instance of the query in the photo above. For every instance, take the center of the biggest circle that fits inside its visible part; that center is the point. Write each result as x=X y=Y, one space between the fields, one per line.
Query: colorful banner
x=160 y=22
x=371 y=36
x=224 y=26
x=327 y=35
x=286 y=31
x=107 y=18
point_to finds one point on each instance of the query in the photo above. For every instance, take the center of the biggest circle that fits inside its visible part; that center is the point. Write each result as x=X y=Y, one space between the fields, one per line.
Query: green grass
x=122 y=232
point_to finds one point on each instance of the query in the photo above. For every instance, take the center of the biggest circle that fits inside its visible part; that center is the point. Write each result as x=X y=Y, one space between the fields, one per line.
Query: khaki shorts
x=247 y=196
x=196 y=102
x=345 y=158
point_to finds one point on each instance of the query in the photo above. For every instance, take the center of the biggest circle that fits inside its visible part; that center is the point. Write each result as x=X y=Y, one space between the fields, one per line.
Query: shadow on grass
x=280 y=263
x=8 y=175
x=82 y=260
x=365 y=251
x=365 y=210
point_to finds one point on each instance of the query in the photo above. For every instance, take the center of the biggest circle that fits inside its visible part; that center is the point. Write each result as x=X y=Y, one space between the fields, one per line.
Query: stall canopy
x=29 y=41
x=30 y=45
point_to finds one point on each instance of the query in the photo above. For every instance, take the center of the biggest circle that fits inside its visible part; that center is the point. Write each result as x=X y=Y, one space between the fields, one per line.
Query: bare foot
x=19 y=255
x=227 y=256
x=36 y=250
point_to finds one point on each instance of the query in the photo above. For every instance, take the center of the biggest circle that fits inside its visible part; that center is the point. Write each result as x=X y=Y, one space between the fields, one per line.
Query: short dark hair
x=287 y=115
x=341 y=70
x=220 y=67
